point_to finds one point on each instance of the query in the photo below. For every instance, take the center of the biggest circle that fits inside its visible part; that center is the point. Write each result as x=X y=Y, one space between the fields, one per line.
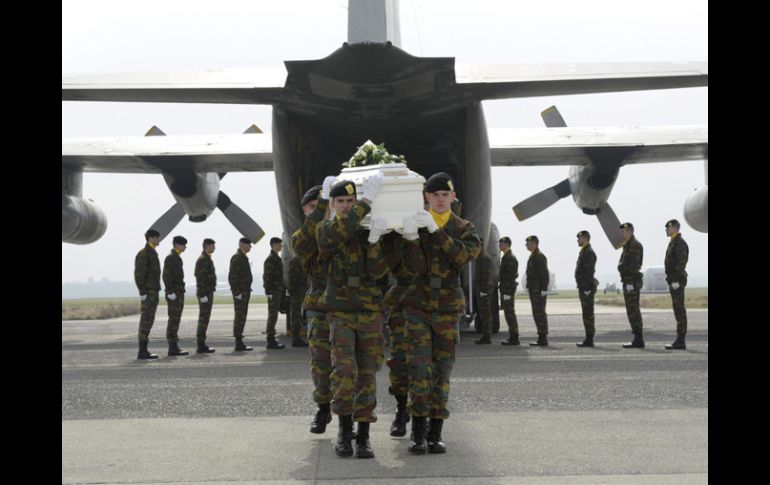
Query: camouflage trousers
x=538 y=302
x=149 y=305
x=632 y=306
x=297 y=321
x=484 y=313
x=509 y=310
x=273 y=304
x=399 y=372
x=432 y=340
x=357 y=355
x=320 y=356
x=204 y=314
x=677 y=300
x=175 y=308
x=241 y=310
x=587 y=306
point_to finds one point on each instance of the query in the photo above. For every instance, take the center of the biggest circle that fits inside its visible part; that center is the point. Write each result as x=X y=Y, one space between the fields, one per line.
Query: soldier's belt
x=445 y=283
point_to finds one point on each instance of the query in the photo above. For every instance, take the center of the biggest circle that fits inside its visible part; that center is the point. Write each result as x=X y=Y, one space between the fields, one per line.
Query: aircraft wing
x=499 y=81
x=567 y=146
x=154 y=154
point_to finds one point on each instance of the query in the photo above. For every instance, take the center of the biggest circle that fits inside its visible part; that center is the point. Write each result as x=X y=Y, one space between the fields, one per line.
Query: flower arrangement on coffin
x=371 y=154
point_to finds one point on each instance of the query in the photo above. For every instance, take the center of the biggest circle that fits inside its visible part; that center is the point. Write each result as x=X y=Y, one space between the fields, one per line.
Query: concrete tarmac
x=522 y=415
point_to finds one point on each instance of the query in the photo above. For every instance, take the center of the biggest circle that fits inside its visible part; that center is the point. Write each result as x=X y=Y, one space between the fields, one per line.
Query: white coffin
x=399 y=197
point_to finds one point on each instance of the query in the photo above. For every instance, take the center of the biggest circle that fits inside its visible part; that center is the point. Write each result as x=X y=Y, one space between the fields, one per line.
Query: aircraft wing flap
x=154 y=154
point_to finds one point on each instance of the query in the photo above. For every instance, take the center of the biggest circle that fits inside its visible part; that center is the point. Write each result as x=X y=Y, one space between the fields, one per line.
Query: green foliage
x=371 y=154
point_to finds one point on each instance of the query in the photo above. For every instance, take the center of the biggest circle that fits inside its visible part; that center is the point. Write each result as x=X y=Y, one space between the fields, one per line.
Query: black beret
x=533 y=238
x=673 y=222
x=506 y=240
x=439 y=181
x=208 y=241
x=151 y=233
x=311 y=194
x=181 y=240
x=343 y=188
x=627 y=225
x=584 y=233
x=274 y=240
x=245 y=240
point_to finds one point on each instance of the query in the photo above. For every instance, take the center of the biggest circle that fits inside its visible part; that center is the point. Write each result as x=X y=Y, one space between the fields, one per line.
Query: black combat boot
x=542 y=341
x=588 y=342
x=240 y=346
x=637 y=343
x=418 y=444
x=344 y=437
x=435 y=445
x=363 y=448
x=204 y=349
x=678 y=343
x=322 y=417
x=512 y=340
x=398 y=428
x=173 y=349
x=272 y=343
x=485 y=339
x=144 y=354
x=298 y=342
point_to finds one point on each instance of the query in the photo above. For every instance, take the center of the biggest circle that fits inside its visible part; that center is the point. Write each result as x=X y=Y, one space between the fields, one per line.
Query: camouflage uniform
x=677 y=254
x=206 y=281
x=538 y=279
x=483 y=287
x=394 y=246
x=355 y=312
x=304 y=242
x=432 y=308
x=509 y=271
x=147 y=278
x=272 y=282
x=628 y=267
x=173 y=280
x=240 y=279
x=584 y=277
x=297 y=289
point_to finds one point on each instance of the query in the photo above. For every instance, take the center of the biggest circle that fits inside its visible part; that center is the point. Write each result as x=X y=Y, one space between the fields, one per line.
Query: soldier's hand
x=372 y=186
x=269 y=297
x=629 y=287
x=506 y=297
x=482 y=294
x=675 y=285
x=587 y=292
x=424 y=219
x=287 y=292
x=204 y=299
x=238 y=296
x=410 y=229
x=327 y=187
x=379 y=227
x=171 y=296
x=142 y=297
x=543 y=292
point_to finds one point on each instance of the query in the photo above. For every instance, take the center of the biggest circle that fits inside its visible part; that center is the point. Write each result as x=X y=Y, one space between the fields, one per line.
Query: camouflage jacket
x=304 y=241
x=677 y=254
x=631 y=261
x=585 y=269
x=509 y=271
x=240 y=277
x=205 y=275
x=394 y=248
x=173 y=273
x=297 y=278
x=538 y=277
x=272 y=274
x=147 y=270
x=483 y=281
x=436 y=263
x=354 y=264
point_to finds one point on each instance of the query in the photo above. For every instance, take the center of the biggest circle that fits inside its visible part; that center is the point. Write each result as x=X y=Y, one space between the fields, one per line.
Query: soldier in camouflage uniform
x=272 y=282
x=355 y=313
x=173 y=279
x=538 y=279
x=240 y=279
x=147 y=278
x=586 y=285
x=206 y=282
x=433 y=305
x=483 y=286
x=677 y=254
x=297 y=289
x=509 y=271
x=631 y=279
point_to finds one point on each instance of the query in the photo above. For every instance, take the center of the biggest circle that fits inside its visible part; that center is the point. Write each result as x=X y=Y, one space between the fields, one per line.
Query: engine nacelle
x=696 y=209
x=196 y=192
x=591 y=187
x=82 y=221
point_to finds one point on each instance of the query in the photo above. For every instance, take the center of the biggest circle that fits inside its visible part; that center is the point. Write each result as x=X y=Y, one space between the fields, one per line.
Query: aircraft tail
x=374 y=21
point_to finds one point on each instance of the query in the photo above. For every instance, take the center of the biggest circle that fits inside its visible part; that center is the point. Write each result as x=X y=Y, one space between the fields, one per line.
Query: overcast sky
x=141 y=36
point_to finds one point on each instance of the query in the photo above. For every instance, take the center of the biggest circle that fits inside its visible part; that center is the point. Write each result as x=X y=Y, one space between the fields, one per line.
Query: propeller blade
x=552 y=118
x=610 y=224
x=542 y=200
x=242 y=222
x=168 y=221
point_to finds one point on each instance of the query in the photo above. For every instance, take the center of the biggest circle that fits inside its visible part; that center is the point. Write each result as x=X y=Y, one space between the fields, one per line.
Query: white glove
x=410 y=229
x=372 y=186
x=629 y=287
x=269 y=297
x=287 y=292
x=506 y=297
x=171 y=296
x=424 y=219
x=204 y=299
x=482 y=294
x=239 y=296
x=543 y=292
x=587 y=292
x=327 y=186
x=675 y=285
x=379 y=227
x=142 y=297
